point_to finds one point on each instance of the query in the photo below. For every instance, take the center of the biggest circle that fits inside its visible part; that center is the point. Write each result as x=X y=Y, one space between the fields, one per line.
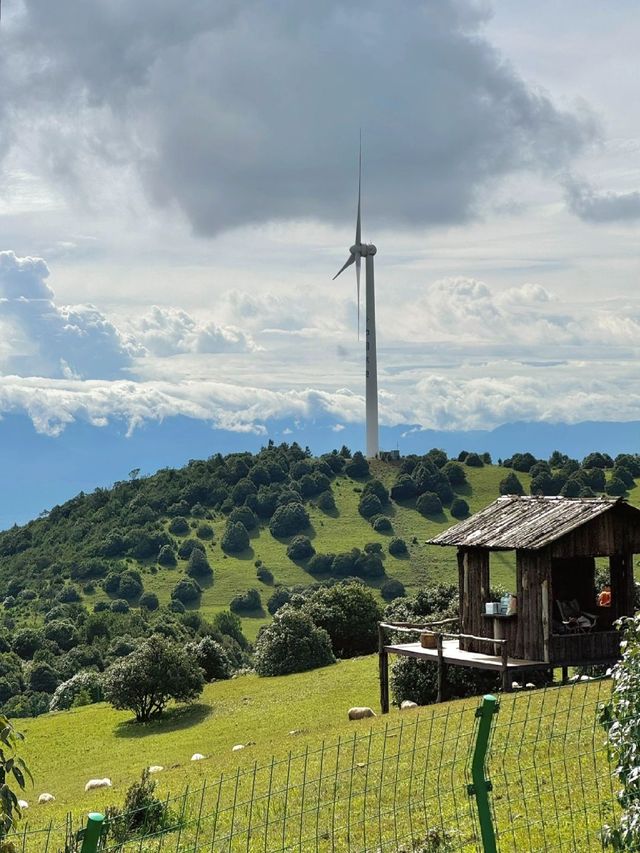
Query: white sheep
x=360 y=713
x=92 y=784
x=237 y=747
x=197 y=756
x=407 y=703
x=156 y=768
x=23 y=804
x=46 y=798
x=530 y=685
x=515 y=685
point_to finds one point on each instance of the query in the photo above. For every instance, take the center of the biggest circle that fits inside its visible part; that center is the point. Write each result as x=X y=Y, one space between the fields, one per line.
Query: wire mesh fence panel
x=386 y=789
x=548 y=764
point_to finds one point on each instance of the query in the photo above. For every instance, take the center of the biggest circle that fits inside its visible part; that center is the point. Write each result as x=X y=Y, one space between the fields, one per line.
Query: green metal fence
x=527 y=773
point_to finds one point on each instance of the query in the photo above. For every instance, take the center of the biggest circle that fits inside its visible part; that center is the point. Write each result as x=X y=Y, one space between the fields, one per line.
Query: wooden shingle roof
x=527 y=522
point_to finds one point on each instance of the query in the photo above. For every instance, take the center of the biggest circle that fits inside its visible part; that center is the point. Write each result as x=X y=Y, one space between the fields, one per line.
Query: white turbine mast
x=357 y=252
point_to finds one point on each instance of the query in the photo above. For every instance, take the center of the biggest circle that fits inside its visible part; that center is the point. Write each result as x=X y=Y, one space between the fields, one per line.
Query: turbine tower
x=358 y=251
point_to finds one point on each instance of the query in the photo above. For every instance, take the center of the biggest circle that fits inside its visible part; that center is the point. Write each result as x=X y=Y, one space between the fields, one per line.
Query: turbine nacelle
x=363 y=249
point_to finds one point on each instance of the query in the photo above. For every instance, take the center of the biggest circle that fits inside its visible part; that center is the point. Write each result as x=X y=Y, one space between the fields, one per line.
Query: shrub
x=280 y=597
x=511 y=485
x=455 y=473
x=204 y=531
x=248 y=601
x=369 y=505
x=142 y=813
x=245 y=515
x=86 y=682
x=43 y=678
x=149 y=601
x=68 y=594
x=263 y=574
x=119 y=605
x=186 y=547
x=615 y=487
x=571 y=488
x=597 y=460
x=404 y=488
x=373 y=548
x=473 y=460
x=397 y=547
x=62 y=632
x=459 y=508
x=179 y=526
x=235 y=538
x=391 y=589
x=186 y=591
x=211 y=658
x=176 y=606
x=320 y=564
x=429 y=504
x=349 y=613
x=417 y=681
x=166 y=556
x=357 y=467
x=111 y=583
x=130 y=586
x=620 y=472
x=300 y=548
x=288 y=520
x=381 y=524
x=375 y=487
x=326 y=501
x=292 y=643
x=198 y=565
x=26 y=642
x=146 y=679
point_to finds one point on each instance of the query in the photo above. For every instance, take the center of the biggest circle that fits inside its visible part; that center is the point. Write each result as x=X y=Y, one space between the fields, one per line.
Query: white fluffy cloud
x=170 y=331
x=46 y=339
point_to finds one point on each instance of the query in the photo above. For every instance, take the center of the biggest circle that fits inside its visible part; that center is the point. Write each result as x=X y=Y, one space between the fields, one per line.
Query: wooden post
x=383 y=662
x=506 y=685
x=441 y=670
x=565 y=674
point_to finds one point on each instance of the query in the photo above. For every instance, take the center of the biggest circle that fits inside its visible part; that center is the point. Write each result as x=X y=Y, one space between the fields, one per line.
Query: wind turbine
x=357 y=252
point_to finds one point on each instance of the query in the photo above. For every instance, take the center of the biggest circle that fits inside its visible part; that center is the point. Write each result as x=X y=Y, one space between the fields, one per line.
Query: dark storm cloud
x=601 y=207
x=244 y=112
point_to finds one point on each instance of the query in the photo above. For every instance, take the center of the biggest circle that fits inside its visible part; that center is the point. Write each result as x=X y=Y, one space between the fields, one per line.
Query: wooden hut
x=555 y=618
x=556 y=540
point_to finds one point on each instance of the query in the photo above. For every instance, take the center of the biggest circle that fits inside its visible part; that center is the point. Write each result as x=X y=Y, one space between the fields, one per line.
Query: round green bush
x=381 y=524
x=245 y=515
x=369 y=505
x=397 y=547
x=459 y=508
x=429 y=504
x=289 y=519
x=204 y=531
x=473 y=460
x=391 y=589
x=198 y=565
x=248 y=601
x=186 y=547
x=291 y=643
x=166 y=556
x=186 y=591
x=179 y=526
x=300 y=548
x=511 y=485
x=119 y=605
x=149 y=601
x=349 y=613
x=235 y=538
x=326 y=501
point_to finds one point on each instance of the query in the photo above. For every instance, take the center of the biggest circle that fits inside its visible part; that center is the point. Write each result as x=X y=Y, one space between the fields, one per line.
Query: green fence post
x=92 y=833
x=480 y=786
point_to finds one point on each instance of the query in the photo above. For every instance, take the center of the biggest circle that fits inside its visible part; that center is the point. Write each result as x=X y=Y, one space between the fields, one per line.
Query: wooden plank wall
x=473 y=576
x=622 y=585
x=533 y=568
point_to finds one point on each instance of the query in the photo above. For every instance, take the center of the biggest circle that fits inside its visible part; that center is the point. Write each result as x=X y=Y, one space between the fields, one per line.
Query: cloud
x=592 y=206
x=170 y=331
x=45 y=339
x=245 y=112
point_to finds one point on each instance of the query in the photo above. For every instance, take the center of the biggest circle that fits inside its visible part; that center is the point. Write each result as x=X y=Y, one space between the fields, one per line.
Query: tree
x=459 y=508
x=186 y=591
x=247 y=602
x=597 y=460
x=280 y=597
x=288 y=520
x=357 y=467
x=245 y=515
x=179 y=526
x=149 y=677
x=615 y=487
x=375 y=487
x=13 y=771
x=326 y=501
x=455 y=473
x=571 y=488
x=397 y=547
x=511 y=485
x=291 y=643
x=235 y=538
x=119 y=605
x=43 y=678
x=369 y=505
x=300 y=548
x=404 y=488
x=473 y=460
x=149 y=601
x=381 y=524
x=198 y=565
x=349 y=613
x=63 y=633
x=130 y=585
x=204 y=531
x=166 y=556
x=87 y=683
x=26 y=642
x=429 y=504
x=211 y=658
x=391 y=589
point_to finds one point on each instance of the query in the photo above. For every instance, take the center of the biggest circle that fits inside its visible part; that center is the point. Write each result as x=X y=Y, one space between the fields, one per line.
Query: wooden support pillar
x=442 y=671
x=622 y=585
x=383 y=665
x=565 y=674
x=506 y=681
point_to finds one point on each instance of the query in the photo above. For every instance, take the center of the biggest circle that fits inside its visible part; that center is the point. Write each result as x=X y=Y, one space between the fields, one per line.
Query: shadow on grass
x=172 y=720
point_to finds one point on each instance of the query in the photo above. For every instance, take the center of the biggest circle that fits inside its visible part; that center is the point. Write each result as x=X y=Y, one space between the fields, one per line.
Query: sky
x=178 y=187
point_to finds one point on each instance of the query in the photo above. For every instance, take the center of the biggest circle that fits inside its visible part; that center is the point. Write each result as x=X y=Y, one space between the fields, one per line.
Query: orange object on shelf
x=604 y=598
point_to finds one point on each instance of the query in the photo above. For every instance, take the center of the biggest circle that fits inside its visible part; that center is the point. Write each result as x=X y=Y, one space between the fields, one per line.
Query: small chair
x=575 y=619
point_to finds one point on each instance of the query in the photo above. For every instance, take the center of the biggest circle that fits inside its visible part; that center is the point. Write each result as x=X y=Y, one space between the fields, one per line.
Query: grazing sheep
x=585 y=678
x=530 y=685
x=197 y=756
x=156 y=768
x=515 y=685
x=92 y=784
x=237 y=747
x=46 y=798
x=23 y=804
x=360 y=713
x=407 y=703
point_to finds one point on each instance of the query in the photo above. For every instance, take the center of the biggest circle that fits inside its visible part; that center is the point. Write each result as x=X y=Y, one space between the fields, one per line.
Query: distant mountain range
x=38 y=471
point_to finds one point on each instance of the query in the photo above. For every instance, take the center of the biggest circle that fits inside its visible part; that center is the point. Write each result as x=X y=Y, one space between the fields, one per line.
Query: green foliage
x=155 y=672
x=459 y=508
x=244 y=515
x=416 y=681
x=179 y=526
x=597 y=460
x=142 y=813
x=429 y=504
x=204 y=531
x=186 y=591
x=455 y=473
x=620 y=718
x=520 y=462
x=149 y=601
x=13 y=772
x=119 y=605
x=511 y=485
x=349 y=613
x=211 y=658
x=278 y=599
x=375 y=487
x=300 y=548
x=404 y=488
x=369 y=505
x=473 y=460
x=288 y=520
x=263 y=574
x=62 y=632
x=616 y=487
x=235 y=538
x=326 y=501
x=26 y=642
x=397 y=547
x=247 y=602
x=187 y=546
x=43 y=678
x=86 y=683
x=381 y=524
x=357 y=467
x=198 y=565
x=392 y=588
x=291 y=643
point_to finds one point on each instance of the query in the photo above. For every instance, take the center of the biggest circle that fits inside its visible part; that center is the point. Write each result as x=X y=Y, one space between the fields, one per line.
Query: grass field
x=322 y=775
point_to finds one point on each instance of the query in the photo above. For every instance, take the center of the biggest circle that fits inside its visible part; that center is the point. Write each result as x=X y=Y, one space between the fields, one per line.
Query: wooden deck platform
x=453 y=654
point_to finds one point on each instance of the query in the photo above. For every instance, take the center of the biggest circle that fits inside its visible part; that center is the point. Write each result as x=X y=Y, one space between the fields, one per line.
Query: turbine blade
x=359 y=188
x=358 y=259
x=343 y=268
